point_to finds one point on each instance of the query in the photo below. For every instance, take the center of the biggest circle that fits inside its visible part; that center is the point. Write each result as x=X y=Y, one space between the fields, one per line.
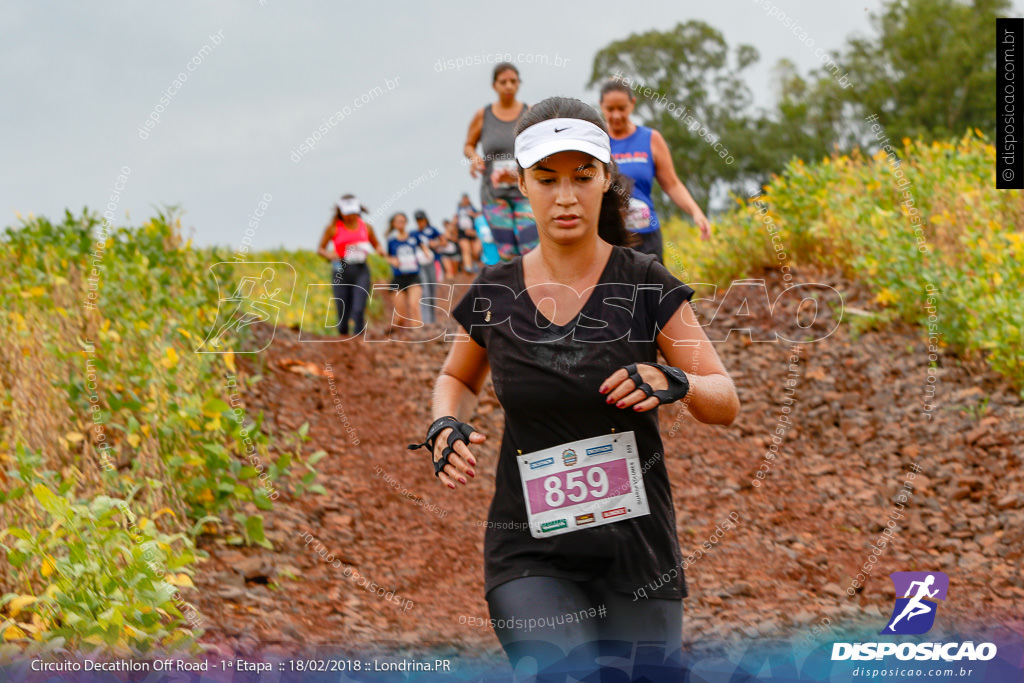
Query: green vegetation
x=311 y=308
x=118 y=443
x=929 y=226
x=927 y=72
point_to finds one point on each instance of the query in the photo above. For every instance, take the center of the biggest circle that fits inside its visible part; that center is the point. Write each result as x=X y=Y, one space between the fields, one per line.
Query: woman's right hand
x=461 y=462
x=477 y=168
x=503 y=177
x=327 y=253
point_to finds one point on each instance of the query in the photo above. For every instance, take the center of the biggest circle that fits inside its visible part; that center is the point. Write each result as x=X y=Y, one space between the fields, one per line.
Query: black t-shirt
x=547 y=379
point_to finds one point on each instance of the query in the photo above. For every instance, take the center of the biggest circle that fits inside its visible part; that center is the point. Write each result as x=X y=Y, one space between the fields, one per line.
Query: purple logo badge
x=916 y=596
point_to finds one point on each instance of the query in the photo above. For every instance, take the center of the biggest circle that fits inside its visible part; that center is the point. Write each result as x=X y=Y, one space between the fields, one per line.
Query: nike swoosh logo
x=559 y=130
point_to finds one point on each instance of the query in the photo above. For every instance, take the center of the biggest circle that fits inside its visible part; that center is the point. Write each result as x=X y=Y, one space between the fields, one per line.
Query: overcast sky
x=79 y=81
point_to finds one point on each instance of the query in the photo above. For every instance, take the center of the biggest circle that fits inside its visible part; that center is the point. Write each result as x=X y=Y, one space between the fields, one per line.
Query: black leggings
x=650 y=243
x=351 y=284
x=546 y=628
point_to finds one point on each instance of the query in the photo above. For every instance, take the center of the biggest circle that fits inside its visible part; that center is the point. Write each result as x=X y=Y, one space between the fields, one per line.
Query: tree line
x=928 y=72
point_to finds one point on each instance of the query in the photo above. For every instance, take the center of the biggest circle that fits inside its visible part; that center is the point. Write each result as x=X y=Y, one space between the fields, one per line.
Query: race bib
x=638 y=215
x=407 y=261
x=583 y=484
x=357 y=252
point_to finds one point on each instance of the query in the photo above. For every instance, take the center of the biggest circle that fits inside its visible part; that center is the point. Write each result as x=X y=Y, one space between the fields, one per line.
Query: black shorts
x=649 y=243
x=405 y=280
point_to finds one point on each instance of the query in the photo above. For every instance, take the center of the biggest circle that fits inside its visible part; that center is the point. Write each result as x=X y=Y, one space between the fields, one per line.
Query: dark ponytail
x=611 y=223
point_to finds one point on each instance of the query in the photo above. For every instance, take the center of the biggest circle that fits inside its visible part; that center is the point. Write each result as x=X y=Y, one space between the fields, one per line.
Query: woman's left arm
x=665 y=172
x=712 y=397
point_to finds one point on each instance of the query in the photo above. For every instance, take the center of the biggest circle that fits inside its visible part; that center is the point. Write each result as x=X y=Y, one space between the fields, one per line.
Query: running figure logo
x=914 y=613
x=254 y=299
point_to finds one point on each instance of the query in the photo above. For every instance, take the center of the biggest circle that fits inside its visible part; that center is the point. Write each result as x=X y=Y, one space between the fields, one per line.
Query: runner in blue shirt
x=431 y=238
x=405 y=268
x=642 y=154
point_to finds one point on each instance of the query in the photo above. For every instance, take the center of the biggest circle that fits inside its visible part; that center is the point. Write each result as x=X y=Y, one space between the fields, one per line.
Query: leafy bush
x=92 y=575
x=928 y=224
x=98 y=372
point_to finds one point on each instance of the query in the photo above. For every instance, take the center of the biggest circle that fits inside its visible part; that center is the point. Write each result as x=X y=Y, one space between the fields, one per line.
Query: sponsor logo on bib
x=584 y=519
x=613 y=513
x=554 y=525
x=598 y=450
x=569 y=457
x=537 y=464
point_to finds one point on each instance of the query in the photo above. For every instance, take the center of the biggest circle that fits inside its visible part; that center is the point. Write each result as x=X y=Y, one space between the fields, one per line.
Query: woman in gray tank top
x=505 y=209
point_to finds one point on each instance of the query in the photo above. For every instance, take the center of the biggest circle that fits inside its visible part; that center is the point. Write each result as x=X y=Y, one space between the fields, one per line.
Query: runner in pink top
x=353 y=242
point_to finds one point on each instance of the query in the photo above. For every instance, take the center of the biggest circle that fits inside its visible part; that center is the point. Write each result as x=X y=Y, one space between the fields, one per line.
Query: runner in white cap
x=347 y=242
x=582 y=514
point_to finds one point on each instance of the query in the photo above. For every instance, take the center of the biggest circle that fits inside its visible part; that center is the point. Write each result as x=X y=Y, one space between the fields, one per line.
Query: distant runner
x=405 y=268
x=469 y=241
x=582 y=514
x=642 y=154
x=451 y=256
x=431 y=238
x=493 y=128
x=351 y=242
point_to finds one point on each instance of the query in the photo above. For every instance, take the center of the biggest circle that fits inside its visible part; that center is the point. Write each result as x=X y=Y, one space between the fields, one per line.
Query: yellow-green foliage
x=103 y=399
x=311 y=308
x=926 y=223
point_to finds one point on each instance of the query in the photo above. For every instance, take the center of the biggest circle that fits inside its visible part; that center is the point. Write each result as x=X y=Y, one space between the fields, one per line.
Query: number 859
x=574 y=483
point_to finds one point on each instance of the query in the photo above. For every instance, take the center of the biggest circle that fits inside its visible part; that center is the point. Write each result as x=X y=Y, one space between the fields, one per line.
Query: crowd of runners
x=422 y=255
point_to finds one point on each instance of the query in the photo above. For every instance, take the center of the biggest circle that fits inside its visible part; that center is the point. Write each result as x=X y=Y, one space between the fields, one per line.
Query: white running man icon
x=915 y=607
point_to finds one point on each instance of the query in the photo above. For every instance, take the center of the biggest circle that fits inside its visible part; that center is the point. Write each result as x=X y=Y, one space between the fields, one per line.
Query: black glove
x=460 y=432
x=678 y=385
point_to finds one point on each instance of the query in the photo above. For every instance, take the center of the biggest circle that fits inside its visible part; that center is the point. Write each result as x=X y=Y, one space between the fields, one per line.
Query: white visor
x=561 y=135
x=349 y=206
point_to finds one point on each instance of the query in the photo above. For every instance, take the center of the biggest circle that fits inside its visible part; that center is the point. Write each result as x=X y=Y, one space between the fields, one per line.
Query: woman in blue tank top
x=642 y=154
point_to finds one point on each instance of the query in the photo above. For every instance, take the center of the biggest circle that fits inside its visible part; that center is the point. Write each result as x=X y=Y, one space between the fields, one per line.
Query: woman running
x=353 y=241
x=469 y=241
x=582 y=516
x=642 y=154
x=405 y=267
x=493 y=128
x=448 y=250
x=430 y=236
